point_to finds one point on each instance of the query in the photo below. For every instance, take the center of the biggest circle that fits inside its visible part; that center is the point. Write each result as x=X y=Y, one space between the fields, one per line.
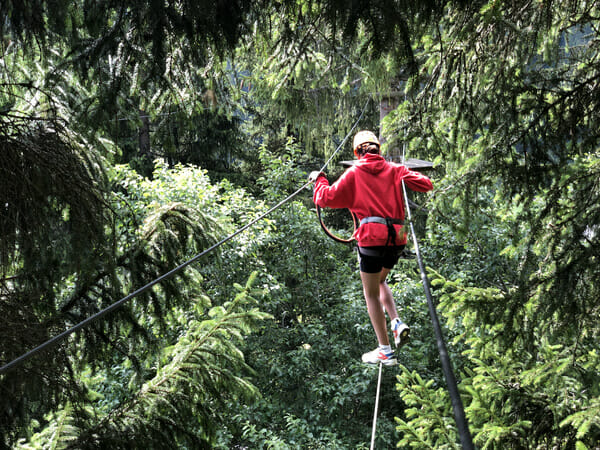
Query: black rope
x=457 y=406
x=55 y=340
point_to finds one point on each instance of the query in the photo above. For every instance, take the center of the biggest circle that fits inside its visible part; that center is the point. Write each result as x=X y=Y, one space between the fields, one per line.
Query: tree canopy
x=135 y=135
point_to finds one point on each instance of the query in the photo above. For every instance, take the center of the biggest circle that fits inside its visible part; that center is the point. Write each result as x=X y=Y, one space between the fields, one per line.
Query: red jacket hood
x=372 y=163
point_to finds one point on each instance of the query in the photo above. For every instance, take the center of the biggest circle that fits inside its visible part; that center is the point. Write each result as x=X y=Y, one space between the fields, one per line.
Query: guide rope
x=55 y=340
x=457 y=406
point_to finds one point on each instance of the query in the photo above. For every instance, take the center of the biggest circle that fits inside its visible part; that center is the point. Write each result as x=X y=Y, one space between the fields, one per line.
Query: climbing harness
x=382 y=220
x=387 y=221
x=55 y=340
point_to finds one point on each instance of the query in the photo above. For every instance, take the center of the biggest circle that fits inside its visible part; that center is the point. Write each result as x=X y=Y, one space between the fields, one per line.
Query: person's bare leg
x=385 y=295
x=371 y=288
x=401 y=333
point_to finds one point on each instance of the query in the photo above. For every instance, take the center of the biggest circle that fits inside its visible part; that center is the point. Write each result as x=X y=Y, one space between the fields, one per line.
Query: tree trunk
x=144 y=135
x=389 y=103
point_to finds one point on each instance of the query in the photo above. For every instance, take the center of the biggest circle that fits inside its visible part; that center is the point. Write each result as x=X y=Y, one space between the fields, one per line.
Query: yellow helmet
x=363 y=137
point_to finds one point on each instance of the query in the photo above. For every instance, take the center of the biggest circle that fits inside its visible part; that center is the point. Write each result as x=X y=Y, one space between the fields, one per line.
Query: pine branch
x=204 y=368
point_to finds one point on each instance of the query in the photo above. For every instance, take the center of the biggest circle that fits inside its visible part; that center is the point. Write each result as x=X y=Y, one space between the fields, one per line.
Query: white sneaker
x=401 y=332
x=377 y=355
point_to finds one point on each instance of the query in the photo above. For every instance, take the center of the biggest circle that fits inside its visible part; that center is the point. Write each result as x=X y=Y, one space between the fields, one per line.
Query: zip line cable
x=141 y=290
x=362 y=112
x=457 y=406
x=376 y=408
x=55 y=340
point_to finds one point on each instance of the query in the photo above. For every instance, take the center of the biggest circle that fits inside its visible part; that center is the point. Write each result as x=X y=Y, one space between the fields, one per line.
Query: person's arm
x=338 y=195
x=416 y=180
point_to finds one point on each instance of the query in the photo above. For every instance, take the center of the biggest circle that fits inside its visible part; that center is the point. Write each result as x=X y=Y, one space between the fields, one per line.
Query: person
x=372 y=189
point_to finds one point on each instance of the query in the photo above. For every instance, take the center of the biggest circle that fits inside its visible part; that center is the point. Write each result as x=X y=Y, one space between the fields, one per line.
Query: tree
x=502 y=94
x=505 y=98
x=102 y=49
x=183 y=402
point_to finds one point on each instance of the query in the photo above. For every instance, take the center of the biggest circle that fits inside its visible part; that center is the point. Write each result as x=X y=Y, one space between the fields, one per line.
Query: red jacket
x=372 y=187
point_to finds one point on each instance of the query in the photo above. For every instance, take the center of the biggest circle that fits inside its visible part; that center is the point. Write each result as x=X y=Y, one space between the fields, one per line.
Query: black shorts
x=374 y=259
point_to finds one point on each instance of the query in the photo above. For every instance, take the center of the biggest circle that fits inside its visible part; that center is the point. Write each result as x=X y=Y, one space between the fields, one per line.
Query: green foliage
x=504 y=98
x=156 y=225
x=428 y=423
x=521 y=397
x=184 y=401
x=62 y=433
x=502 y=95
x=52 y=223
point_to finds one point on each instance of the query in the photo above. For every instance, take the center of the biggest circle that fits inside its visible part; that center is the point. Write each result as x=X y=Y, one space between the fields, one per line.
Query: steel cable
x=376 y=408
x=55 y=340
x=457 y=406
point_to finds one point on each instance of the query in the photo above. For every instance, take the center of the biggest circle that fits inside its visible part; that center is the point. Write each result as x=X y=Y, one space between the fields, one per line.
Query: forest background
x=134 y=135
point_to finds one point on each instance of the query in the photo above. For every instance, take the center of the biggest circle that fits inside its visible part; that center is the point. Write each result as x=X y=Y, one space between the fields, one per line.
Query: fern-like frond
x=184 y=401
x=174 y=227
x=59 y=434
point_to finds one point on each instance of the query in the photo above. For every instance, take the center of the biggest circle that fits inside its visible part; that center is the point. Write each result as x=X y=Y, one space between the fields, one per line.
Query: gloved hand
x=314 y=175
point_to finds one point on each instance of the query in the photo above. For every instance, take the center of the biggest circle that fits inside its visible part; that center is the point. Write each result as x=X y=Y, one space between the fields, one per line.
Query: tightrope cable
x=376 y=408
x=56 y=339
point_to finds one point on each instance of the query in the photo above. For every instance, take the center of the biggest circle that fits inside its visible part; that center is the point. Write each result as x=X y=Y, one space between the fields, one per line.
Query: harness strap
x=389 y=222
x=381 y=220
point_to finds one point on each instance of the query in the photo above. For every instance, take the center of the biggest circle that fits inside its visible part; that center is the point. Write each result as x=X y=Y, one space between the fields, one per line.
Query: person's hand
x=314 y=175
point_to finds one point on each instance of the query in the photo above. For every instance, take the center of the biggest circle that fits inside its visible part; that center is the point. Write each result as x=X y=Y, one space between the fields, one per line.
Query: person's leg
x=371 y=288
x=400 y=330
x=385 y=295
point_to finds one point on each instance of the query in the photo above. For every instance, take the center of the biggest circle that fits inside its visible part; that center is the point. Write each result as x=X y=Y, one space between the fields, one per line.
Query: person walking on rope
x=372 y=189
